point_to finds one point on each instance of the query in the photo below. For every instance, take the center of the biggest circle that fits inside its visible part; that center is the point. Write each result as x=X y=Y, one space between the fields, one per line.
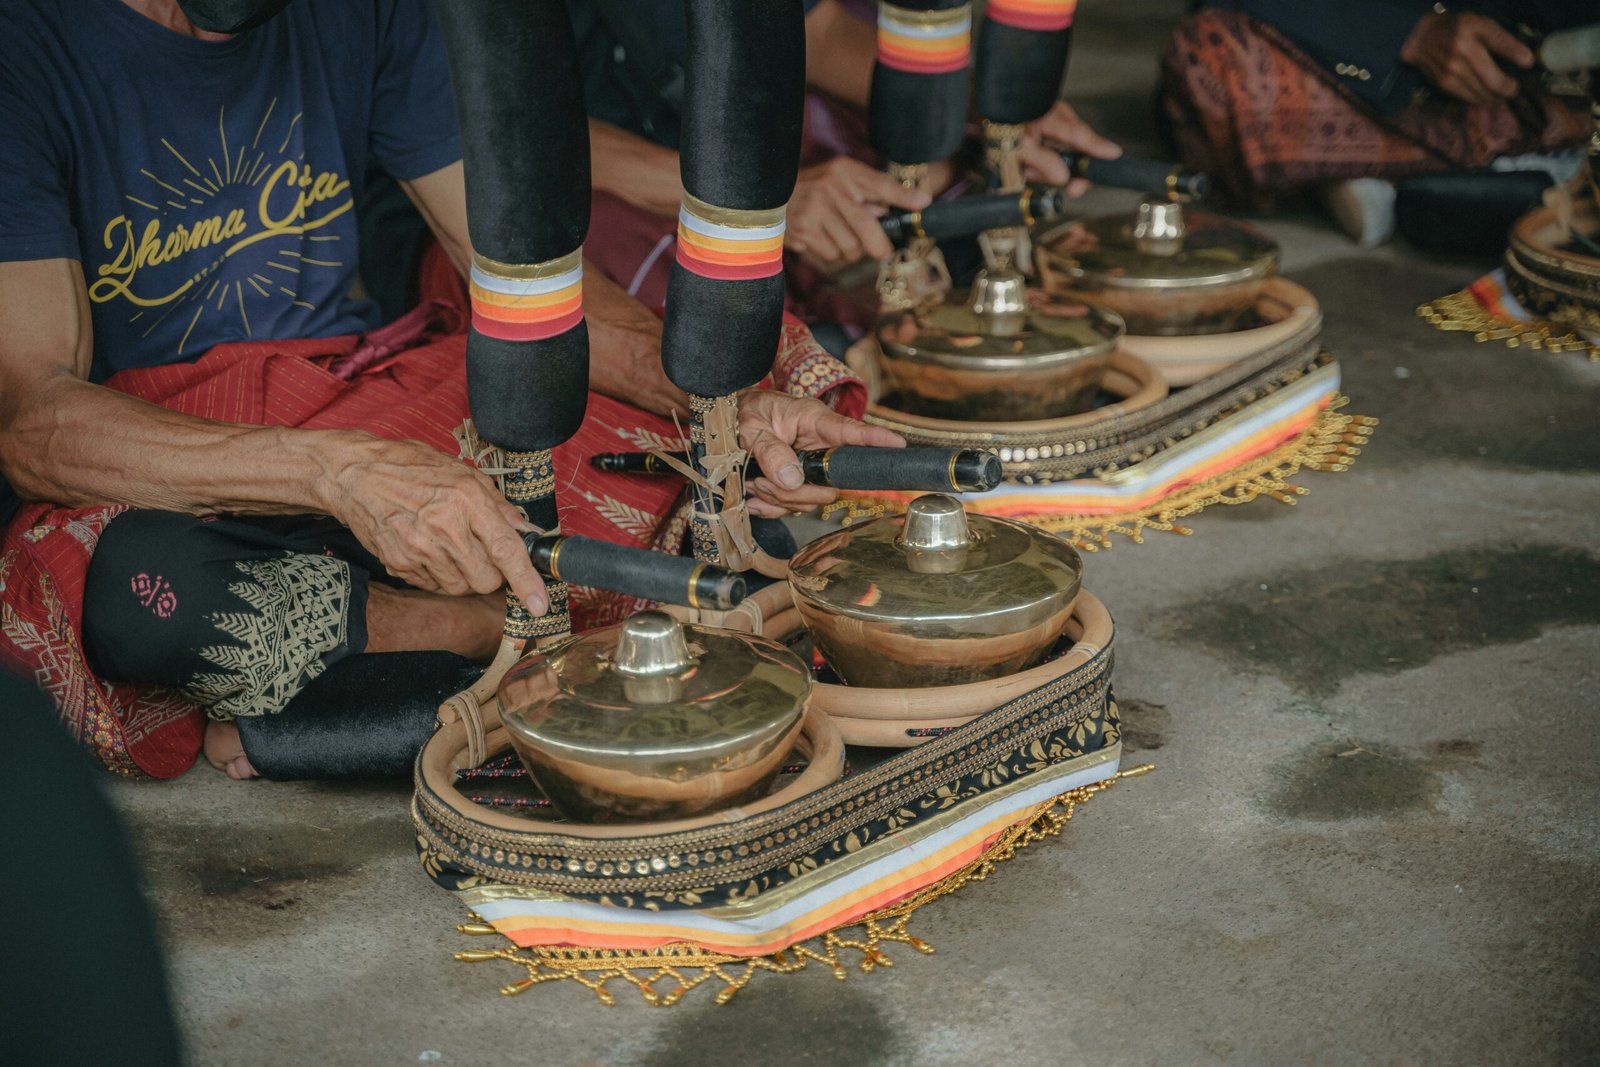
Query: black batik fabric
x=237 y=614
x=739 y=859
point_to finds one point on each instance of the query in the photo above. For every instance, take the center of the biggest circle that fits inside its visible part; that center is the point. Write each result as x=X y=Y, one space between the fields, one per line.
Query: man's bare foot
x=409 y=620
x=225 y=751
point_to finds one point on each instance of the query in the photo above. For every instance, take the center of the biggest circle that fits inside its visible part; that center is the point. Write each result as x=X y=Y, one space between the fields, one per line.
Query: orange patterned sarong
x=1266 y=121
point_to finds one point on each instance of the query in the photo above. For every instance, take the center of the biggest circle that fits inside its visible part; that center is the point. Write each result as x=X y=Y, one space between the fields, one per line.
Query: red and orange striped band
x=513 y=302
x=924 y=42
x=730 y=245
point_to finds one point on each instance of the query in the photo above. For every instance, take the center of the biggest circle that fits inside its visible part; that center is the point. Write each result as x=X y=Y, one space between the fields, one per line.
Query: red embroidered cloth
x=404 y=381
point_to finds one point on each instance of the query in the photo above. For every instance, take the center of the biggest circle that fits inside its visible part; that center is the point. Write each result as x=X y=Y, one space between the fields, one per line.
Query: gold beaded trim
x=523 y=625
x=556 y=862
x=752 y=218
x=530 y=475
x=910 y=175
x=1460 y=311
x=1002 y=155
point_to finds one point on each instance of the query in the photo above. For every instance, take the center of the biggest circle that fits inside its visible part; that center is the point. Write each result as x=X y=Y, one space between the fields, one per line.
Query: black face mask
x=230 y=16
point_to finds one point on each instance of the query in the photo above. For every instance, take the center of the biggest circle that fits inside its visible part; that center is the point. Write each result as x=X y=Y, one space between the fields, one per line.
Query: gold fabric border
x=1330 y=443
x=729 y=216
x=914 y=16
x=663 y=977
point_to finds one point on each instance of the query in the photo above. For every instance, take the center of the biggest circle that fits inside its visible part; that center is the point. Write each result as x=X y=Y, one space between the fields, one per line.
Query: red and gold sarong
x=405 y=381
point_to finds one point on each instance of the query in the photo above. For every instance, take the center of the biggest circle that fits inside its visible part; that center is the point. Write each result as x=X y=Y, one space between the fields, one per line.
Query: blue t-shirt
x=207 y=187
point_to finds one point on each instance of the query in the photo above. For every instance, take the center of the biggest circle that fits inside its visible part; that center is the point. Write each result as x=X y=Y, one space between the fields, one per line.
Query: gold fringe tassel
x=1330 y=443
x=664 y=976
x=1461 y=312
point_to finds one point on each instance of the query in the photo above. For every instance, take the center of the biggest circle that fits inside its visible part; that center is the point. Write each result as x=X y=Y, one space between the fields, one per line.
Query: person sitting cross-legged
x=234 y=478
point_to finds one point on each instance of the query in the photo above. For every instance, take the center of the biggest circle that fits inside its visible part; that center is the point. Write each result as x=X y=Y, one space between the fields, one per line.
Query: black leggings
x=238 y=614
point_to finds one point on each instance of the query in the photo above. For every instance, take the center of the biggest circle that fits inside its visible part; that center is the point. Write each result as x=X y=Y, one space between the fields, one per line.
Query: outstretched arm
x=432 y=521
x=840 y=49
x=634 y=168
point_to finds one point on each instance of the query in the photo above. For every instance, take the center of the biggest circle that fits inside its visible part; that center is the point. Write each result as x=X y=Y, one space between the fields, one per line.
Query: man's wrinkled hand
x=1058 y=130
x=834 y=212
x=1457 y=51
x=772 y=426
x=433 y=521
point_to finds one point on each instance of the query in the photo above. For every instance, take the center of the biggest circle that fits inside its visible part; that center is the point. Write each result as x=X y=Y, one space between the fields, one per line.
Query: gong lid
x=937 y=564
x=1159 y=246
x=653 y=690
x=1000 y=324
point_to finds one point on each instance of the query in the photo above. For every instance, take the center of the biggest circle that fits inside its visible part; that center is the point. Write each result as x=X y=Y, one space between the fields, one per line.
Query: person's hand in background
x=772 y=426
x=1456 y=52
x=834 y=212
x=1060 y=129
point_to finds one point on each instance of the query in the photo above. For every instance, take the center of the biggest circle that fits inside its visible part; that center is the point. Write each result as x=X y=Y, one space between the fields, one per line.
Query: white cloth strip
x=729 y=233
x=649 y=261
x=526 y=286
x=920 y=29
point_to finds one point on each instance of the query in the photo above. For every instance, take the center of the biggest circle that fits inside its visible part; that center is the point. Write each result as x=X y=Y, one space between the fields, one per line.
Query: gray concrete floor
x=1371 y=838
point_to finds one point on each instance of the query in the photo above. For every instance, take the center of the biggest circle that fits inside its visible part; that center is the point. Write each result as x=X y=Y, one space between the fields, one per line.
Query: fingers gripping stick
x=635 y=571
x=1153 y=176
x=1020 y=60
x=525 y=151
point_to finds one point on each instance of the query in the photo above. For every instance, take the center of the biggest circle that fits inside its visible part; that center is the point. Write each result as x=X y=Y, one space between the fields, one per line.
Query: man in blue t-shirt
x=164 y=189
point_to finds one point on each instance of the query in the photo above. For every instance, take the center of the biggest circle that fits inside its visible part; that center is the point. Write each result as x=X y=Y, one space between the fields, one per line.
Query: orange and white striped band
x=728 y=244
x=527 y=303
